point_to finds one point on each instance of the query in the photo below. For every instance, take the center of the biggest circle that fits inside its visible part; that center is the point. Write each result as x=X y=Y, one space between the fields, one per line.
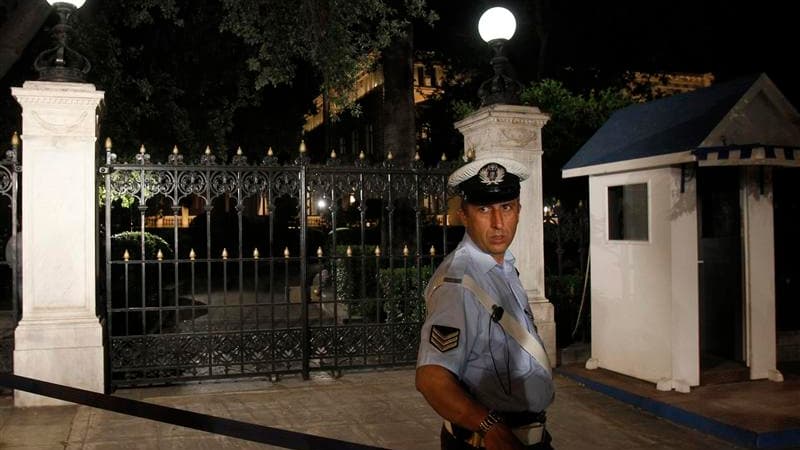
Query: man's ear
x=461 y=216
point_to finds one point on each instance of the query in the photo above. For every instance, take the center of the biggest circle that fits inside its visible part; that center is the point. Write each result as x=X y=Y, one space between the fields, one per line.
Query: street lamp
x=61 y=63
x=496 y=26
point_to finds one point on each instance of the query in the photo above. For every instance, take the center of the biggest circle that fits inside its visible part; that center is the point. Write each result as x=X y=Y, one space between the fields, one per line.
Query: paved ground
x=378 y=408
x=759 y=406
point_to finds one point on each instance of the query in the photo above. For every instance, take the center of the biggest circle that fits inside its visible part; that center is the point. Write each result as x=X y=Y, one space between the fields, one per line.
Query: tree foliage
x=574 y=118
x=337 y=39
x=170 y=76
x=225 y=73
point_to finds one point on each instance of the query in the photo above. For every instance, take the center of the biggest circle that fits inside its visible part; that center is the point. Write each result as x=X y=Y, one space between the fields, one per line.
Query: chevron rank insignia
x=444 y=338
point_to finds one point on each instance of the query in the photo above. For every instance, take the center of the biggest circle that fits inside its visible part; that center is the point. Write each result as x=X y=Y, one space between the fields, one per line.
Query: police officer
x=490 y=390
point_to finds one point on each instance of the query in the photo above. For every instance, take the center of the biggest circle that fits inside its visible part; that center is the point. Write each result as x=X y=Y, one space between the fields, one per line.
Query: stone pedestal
x=515 y=132
x=59 y=338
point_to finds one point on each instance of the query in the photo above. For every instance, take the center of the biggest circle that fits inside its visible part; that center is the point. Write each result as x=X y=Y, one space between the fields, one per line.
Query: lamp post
x=496 y=26
x=62 y=63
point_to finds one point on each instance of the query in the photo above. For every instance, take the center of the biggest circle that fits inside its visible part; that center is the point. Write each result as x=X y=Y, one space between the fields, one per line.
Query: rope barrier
x=174 y=416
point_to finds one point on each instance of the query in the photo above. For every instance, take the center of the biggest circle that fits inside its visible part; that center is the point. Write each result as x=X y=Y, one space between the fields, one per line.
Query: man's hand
x=500 y=437
x=441 y=389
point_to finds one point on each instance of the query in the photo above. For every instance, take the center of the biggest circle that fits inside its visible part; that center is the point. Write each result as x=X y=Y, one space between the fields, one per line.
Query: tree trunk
x=397 y=112
x=542 y=15
x=326 y=122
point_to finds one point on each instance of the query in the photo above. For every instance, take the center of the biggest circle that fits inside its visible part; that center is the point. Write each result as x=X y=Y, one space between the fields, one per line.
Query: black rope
x=188 y=419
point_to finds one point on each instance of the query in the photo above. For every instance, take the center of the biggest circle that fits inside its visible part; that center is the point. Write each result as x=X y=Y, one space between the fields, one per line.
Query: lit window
x=627 y=212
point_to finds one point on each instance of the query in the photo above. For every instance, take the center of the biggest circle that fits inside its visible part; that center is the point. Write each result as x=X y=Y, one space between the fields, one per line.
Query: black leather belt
x=518 y=419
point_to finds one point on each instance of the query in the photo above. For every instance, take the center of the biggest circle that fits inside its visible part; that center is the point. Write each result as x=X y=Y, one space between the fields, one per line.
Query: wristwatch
x=488 y=422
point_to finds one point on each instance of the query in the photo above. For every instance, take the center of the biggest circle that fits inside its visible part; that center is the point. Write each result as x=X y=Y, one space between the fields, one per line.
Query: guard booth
x=691 y=199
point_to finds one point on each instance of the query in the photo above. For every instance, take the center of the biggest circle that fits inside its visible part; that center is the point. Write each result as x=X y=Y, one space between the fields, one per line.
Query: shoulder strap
x=515 y=329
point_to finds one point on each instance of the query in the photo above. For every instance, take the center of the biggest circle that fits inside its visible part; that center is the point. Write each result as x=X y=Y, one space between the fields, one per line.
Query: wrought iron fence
x=236 y=269
x=566 y=250
x=9 y=259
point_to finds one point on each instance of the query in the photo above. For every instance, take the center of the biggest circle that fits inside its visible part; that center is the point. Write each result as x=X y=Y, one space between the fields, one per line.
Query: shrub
x=131 y=241
x=396 y=290
x=348 y=275
x=401 y=289
x=565 y=294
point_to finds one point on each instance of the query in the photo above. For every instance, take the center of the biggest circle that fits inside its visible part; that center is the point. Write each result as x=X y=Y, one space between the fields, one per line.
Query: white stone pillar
x=59 y=338
x=759 y=273
x=515 y=132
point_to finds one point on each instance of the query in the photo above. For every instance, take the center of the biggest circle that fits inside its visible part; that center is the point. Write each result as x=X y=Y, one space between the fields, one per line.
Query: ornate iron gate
x=10 y=257
x=222 y=270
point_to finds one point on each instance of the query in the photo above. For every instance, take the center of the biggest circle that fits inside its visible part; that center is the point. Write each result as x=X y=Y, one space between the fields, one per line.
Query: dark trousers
x=450 y=442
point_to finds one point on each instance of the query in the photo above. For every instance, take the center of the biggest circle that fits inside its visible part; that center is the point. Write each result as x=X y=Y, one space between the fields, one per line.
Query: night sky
x=591 y=42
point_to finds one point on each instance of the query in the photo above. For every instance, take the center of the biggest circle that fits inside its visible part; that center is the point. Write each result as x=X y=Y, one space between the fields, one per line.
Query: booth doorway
x=722 y=357
x=786 y=186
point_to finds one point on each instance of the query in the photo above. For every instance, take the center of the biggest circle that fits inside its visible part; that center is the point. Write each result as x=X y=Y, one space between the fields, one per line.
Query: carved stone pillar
x=515 y=132
x=59 y=338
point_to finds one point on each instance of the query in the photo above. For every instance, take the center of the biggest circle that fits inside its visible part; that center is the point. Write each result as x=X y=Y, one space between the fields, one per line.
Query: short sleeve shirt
x=460 y=335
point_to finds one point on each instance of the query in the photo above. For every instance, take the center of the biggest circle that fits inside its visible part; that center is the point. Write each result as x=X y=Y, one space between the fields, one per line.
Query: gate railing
x=10 y=170
x=284 y=268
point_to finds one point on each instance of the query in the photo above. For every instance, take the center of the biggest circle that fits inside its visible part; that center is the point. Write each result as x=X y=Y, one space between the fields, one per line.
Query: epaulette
x=458 y=265
x=453 y=274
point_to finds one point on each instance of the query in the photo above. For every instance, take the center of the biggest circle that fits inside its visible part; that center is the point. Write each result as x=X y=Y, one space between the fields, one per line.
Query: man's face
x=491 y=227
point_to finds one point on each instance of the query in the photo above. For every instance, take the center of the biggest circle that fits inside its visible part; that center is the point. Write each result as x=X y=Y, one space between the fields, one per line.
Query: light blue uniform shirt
x=495 y=369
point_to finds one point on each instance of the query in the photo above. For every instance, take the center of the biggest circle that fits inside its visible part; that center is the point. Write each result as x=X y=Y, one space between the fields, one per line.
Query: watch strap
x=488 y=422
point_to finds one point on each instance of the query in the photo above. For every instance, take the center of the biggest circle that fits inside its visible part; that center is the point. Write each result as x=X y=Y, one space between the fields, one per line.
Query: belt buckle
x=529 y=434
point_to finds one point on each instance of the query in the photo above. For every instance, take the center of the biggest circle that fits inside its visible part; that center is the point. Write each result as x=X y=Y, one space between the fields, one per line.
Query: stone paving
x=379 y=408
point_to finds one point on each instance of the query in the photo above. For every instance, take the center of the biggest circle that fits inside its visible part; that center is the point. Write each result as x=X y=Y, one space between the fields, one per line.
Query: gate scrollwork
x=174 y=317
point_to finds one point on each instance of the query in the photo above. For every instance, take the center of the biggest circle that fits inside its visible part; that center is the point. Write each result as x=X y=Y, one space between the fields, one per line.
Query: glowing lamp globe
x=75 y=3
x=497 y=23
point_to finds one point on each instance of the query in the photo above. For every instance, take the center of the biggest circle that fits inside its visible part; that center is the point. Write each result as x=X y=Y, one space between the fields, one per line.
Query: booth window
x=627 y=212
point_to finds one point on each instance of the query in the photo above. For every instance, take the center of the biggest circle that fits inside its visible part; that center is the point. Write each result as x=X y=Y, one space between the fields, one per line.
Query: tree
x=224 y=73
x=171 y=77
x=574 y=118
x=337 y=41
x=397 y=108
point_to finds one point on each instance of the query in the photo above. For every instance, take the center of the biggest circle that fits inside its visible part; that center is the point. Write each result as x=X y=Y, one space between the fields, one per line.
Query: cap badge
x=492 y=174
